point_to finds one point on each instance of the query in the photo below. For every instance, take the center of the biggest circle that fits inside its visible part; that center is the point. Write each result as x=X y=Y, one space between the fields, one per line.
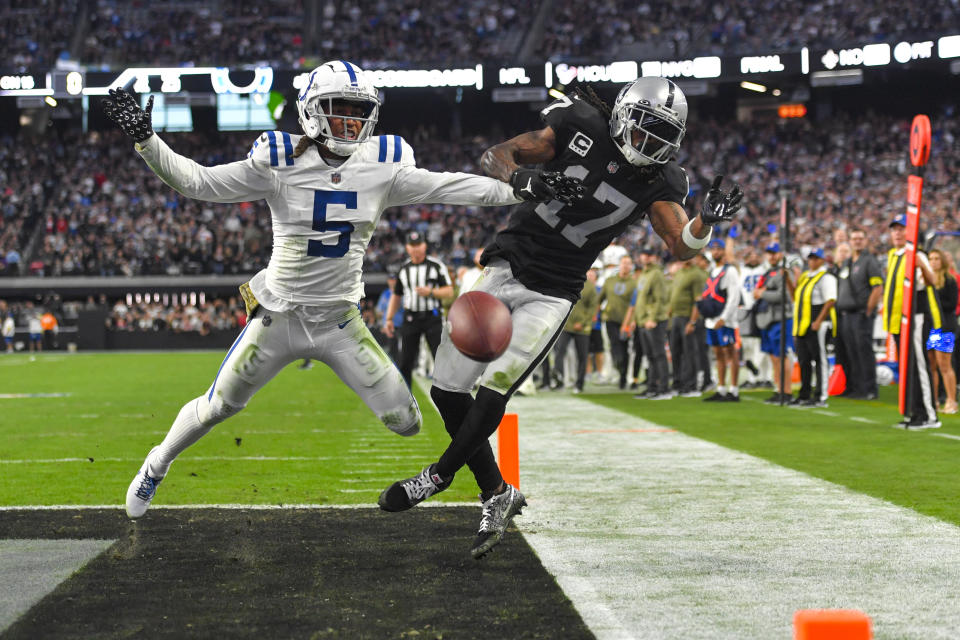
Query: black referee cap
x=415 y=237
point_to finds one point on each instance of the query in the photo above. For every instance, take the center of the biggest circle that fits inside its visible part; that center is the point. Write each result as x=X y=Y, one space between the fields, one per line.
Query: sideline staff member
x=422 y=283
x=921 y=412
x=860 y=289
x=813 y=315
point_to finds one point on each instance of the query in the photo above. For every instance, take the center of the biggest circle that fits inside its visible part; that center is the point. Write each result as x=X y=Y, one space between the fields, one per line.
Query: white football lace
x=420 y=487
x=490 y=521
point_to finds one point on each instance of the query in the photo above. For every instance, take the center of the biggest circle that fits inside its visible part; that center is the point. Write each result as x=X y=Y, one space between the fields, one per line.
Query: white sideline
x=661 y=535
x=250 y=507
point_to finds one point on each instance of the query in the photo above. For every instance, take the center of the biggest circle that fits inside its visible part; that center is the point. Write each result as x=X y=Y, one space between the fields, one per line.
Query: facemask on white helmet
x=339 y=106
x=648 y=121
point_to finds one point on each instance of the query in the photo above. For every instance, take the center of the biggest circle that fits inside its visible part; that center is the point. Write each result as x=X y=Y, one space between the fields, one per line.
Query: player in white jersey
x=326 y=191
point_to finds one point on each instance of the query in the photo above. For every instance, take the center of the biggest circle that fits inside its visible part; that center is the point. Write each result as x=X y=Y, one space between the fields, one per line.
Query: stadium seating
x=88 y=206
x=415 y=32
x=628 y=29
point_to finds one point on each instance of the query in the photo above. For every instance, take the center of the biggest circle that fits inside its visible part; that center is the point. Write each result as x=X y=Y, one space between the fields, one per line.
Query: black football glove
x=543 y=186
x=720 y=206
x=568 y=190
x=122 y=108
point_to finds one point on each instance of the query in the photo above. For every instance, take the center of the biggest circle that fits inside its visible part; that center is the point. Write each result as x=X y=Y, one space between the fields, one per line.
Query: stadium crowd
x=37 y=33
x=90 y=210
x=376 y=33
x=578 y=30
x=369 y=32
x=201 y=317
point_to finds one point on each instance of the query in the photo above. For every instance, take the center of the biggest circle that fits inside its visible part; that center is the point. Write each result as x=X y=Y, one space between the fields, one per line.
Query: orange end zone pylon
x=508 y=449
x=831 y=624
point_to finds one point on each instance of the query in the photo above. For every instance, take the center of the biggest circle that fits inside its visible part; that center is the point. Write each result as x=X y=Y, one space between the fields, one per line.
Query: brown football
x=480 y=326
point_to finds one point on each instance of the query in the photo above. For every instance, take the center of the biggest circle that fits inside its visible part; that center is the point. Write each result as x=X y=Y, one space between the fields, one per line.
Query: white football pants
x=537 y=322
x=272 y=340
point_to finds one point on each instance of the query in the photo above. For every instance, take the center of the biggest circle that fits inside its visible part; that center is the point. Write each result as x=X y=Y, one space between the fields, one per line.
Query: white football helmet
x=337 y=80
x=655 y=108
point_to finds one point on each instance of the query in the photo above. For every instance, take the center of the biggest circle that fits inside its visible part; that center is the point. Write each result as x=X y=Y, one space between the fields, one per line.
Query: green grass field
x=328 y=447
x=305 y=438
x=666 y=530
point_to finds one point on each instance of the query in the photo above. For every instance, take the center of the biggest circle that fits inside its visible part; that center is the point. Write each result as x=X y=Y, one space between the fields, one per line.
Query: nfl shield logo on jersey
x=335 y=178
x=613 y=167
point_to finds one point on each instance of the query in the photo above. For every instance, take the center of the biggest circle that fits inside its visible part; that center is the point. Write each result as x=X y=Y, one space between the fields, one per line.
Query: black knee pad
x=453 y=407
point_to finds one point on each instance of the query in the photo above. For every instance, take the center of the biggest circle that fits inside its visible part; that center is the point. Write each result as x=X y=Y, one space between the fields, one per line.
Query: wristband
x=692 y=241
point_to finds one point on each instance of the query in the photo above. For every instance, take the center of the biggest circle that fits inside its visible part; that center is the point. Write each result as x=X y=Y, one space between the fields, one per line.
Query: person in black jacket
x=860 y=288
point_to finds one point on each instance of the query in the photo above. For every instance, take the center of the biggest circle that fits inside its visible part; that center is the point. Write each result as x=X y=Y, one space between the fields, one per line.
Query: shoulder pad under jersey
x=274 y=148
x=391 y=149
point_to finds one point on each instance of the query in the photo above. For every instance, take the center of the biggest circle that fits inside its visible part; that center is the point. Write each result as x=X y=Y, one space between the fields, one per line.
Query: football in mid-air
x=480 y=326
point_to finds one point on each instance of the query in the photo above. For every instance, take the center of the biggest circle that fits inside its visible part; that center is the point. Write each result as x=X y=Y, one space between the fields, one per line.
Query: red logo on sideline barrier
x=920 y=141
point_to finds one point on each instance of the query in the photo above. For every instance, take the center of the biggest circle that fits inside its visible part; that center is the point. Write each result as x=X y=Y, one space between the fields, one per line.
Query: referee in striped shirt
x=422 y=283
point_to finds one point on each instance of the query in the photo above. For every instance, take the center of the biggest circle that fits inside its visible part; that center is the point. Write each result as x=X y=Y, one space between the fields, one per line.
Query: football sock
x=721 y=390
x=735 y=390
x=186 y=430
x=472 y=439
x=454 y=409
x=486 y=495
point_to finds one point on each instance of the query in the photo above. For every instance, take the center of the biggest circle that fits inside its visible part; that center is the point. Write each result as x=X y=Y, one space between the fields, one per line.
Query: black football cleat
x=408 y=493
x=498 y=511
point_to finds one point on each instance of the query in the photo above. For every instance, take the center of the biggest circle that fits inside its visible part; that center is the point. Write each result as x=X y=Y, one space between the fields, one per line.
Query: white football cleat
x=141 y=491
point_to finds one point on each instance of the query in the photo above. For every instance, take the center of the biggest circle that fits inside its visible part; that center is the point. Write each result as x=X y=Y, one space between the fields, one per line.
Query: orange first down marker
x=508 y=449
x=831 y=624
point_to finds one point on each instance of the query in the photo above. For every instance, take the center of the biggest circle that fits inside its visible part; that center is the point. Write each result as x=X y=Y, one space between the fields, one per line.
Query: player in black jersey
x=538 y=264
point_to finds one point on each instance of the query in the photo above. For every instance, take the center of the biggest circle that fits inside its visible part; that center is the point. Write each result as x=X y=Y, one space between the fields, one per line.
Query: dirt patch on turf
x=328 y=573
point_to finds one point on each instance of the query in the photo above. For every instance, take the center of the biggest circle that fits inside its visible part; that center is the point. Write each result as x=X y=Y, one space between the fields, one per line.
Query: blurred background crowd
x=418 y=32
x=82 y=204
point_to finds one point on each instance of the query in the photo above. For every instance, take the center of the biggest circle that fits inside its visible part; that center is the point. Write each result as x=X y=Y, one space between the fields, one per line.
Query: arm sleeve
x=412 y=185
x=241 y=181
x=398 y=285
